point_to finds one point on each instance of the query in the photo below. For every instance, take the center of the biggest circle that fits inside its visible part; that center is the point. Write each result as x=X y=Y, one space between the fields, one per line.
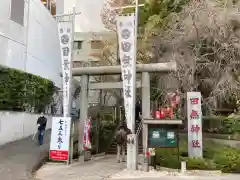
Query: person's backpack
x=119 y=137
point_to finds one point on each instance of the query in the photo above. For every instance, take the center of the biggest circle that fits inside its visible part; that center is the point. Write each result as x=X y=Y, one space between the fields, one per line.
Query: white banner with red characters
x=194 y=112
x=87 y=134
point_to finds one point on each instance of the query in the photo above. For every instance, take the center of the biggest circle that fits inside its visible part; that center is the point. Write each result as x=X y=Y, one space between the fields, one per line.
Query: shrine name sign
x=194 y=114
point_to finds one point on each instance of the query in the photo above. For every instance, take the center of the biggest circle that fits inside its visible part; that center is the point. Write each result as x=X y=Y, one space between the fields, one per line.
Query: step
x=113 y=150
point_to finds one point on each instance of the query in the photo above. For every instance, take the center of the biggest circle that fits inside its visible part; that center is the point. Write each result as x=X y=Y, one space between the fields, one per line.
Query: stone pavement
x=181 y=178
x=105 y=167
x=18 y=159
x=99 y=168
x=165 y=175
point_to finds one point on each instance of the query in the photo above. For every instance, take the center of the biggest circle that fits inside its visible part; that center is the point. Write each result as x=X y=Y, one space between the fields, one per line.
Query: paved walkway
x=106 y=168
x=18 y=159
x=97 y=169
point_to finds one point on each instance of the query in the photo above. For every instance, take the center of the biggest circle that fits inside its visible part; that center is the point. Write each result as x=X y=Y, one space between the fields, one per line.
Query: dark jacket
x=138 y=111
x=42 y=121
x=121 y=137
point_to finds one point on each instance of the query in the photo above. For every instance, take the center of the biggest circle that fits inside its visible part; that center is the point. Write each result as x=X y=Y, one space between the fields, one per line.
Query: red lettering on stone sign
x=194 y=114
x=195 y=128
x=194 y=100
x=195 y=144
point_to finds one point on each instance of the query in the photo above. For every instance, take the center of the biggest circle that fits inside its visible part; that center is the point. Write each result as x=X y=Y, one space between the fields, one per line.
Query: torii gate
x=145 y=69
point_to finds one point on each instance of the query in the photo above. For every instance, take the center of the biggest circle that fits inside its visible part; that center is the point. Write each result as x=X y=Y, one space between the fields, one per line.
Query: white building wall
x=12 y=38
x=34 y=47
x=43 y=47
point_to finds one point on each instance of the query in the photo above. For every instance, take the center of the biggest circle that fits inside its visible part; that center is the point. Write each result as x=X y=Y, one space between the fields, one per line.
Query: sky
x=90 y=19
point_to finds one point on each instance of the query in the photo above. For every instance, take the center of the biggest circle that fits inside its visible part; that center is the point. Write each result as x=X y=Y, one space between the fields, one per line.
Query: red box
x=58 y=155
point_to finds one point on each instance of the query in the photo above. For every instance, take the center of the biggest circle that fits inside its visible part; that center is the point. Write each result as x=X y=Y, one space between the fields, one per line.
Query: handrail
x=139 y=128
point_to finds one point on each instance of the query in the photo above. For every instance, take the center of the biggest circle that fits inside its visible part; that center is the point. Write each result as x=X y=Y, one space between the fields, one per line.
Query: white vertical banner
x=60 y=136
x=126 y=41
x=65 y=36
x=194 y=113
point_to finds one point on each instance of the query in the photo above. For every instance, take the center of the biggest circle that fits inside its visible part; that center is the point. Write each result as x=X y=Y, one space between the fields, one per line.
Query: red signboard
x=58 y=155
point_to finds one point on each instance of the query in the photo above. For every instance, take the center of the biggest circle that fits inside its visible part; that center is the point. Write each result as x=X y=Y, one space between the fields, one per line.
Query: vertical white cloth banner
x=126 y=40
x=194 y=113
x=65 y=36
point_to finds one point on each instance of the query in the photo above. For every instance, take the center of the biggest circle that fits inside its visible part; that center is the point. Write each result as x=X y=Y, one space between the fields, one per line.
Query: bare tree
x=204 y=41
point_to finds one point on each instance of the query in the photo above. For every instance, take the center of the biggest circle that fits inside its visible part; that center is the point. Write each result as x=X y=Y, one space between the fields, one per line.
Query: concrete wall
x=18 y=125
x=34 y=46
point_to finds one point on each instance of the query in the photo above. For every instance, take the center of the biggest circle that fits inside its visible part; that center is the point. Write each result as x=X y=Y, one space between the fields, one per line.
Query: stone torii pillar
x=145 y=107
x=83 y=110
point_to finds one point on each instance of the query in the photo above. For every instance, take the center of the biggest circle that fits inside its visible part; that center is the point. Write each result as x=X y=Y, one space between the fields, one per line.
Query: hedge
x=20 y=91
x=222 y=125
x=215 y=157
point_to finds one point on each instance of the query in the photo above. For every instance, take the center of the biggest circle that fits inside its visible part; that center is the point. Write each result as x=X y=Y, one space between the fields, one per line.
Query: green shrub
x=215 y=157
x=167 y=157
x=20 y=91
x=232 y=124
x=198 y=164
x=228 y=160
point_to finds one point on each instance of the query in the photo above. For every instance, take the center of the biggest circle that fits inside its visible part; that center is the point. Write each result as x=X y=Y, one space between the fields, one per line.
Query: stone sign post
x=194 y=113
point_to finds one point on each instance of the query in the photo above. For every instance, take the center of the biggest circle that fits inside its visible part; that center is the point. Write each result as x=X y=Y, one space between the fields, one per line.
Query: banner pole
x=70 y=100
x=134 y=68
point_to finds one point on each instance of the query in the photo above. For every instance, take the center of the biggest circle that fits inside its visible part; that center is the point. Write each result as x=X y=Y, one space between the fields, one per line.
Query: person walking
x=41 y=123
x=138 y=113
x=121 y=138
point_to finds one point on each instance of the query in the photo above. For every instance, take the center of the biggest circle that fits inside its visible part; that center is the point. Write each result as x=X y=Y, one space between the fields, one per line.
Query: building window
x=97 y=44
x=17 y=11
x=77 y=64
x=77 y=44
